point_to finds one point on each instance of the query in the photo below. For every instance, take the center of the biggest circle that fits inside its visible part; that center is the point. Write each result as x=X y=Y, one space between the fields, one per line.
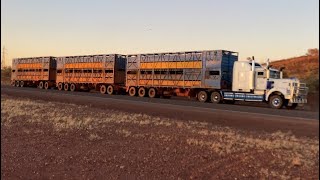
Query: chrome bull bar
x=299 y=93
x=299 y=100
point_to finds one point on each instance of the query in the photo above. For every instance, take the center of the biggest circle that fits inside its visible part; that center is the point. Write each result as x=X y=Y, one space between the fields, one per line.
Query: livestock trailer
x=34 y=71
x=193 y=74
x=104 y=72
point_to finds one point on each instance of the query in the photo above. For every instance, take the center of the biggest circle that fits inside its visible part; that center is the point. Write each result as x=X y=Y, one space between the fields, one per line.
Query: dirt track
x=52 y=140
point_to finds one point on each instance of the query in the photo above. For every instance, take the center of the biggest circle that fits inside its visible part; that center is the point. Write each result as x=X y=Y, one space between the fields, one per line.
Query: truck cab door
x=261 y=80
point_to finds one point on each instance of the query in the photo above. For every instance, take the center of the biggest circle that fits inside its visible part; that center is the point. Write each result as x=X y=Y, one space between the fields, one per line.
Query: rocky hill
x=304 y=67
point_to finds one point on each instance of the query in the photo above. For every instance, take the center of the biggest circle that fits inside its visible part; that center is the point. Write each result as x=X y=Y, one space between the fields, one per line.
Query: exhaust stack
x=281 y=72
x=252 y=73
x=253 y=64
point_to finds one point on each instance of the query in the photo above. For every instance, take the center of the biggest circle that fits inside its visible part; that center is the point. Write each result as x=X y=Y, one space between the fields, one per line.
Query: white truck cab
x=253 y=82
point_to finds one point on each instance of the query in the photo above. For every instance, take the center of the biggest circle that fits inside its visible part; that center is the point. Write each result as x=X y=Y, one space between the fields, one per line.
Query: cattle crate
x=104 y=72
x=34 y=71
x=179 y=73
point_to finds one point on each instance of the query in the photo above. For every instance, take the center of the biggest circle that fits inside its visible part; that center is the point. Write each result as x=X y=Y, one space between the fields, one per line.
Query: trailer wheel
x=16 y=83
x=60 y=86
x=293 y=106
x=132 y=91
x=202 y=96
x=152 y=93
x=142 y=92
x=46 y=85
x=103 y=89
x=66 y=87
x=21 y=83
x=110 y=89
x=13 y=83
x=216 y=97
x=41 y=85
x=72 y=87
x=276 y=102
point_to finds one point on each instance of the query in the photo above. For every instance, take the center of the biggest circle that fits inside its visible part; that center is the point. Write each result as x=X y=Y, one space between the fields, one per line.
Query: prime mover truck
x=214 y=75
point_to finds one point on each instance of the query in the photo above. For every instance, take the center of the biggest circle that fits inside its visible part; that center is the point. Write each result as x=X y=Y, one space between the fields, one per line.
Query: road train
x=213 y=75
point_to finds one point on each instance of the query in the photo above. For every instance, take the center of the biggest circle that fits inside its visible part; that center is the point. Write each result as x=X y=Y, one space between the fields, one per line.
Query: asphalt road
x=245 y=107
x=299 y=122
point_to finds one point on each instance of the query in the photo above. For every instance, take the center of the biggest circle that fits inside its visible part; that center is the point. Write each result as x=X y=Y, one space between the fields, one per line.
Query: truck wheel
x=46 y=85
x=216 y=97
x=152 y=93
x=103 y=89
x=110 y=89
x=202 y=96
x=21 y=83
x=41 y=85
x=132 y=91
x=142 y=92
x=60 y=86
x=66 y=87
x=293 y=106
x=72 y=87
x=276 y=102
x=16 y=83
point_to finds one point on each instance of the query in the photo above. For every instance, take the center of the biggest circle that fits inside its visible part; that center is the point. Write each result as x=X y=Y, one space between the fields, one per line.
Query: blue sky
x=272 y=29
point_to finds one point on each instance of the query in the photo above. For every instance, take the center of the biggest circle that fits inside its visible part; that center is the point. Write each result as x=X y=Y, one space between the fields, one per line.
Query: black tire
x=216 y=97
x=142 y=92
x=46 y=85
x=66 y=87
x=132 y=91
x=41 y=85
x=17 y=83
x=202 y=96
x=60 y=86
x=21 y=83
x=103 y=89
x=110 y=89
x=276 y=102
x=73 y=87
x=152 y=93
x=13 y=83
x=293 y=106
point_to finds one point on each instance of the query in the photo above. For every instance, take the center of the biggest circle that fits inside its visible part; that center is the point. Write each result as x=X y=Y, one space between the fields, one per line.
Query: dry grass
x=94 y=136
x=6 y=76
x=124 y=132
x=221 y=141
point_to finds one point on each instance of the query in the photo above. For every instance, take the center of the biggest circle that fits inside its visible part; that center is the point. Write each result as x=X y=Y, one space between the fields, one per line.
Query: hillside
x=301 y=67
x=305 y=68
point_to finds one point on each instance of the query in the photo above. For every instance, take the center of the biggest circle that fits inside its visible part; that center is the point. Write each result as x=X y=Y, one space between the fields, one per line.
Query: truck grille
x=300 y=89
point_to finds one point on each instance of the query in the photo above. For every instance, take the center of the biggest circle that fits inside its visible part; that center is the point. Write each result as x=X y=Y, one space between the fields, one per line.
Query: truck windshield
x=255 y=65
x=275 y=74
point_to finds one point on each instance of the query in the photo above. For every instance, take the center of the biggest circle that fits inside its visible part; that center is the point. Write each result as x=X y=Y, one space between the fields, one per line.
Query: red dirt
x=120 y=149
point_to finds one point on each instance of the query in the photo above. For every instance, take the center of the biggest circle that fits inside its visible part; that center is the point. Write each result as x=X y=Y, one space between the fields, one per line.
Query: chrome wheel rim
x=276 y=102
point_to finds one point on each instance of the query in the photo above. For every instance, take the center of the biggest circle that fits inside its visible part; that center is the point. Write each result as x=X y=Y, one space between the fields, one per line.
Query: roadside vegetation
x=6 y=75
